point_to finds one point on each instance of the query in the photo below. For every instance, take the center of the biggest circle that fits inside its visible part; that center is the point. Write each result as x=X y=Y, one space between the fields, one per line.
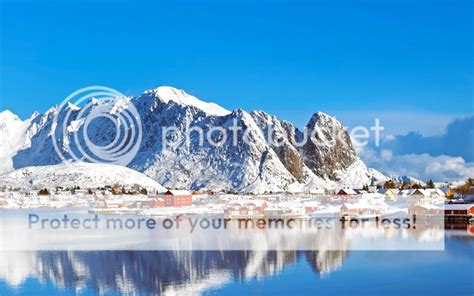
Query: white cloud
x=386 y=155
x=457 y=140
x=420 y=166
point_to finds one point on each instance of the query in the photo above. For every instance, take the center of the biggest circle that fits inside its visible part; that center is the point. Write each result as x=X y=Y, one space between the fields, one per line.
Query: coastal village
x=454 y=200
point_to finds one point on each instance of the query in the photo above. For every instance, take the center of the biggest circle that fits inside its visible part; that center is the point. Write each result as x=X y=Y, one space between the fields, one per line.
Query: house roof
x=256 y=202
x=428 y=207
x=432 y=191
x=458 y=206
x=423 y=192
x=348 y=191
x=391 y=190
x=404 y=192
x=178 y=192
x=445 y=189
x=469 y=198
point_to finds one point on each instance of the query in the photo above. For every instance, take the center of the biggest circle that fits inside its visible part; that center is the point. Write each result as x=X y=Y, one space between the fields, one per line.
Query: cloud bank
x=420 y=166
x=449 y=156
x=458 y=140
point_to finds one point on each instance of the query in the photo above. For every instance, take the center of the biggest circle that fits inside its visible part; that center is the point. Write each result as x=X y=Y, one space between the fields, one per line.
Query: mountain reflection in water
x=189 y=273
x=155 y=271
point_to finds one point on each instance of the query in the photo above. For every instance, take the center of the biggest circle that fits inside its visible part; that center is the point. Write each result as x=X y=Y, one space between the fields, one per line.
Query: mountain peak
x=322 y=118
x=168 y=93
x=8 y=115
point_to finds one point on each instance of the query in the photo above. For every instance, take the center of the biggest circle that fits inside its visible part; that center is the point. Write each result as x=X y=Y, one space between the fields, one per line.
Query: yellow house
x=390 y=194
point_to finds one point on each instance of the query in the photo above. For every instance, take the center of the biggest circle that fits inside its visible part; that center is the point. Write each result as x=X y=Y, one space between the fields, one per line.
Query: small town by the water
x=453 y=200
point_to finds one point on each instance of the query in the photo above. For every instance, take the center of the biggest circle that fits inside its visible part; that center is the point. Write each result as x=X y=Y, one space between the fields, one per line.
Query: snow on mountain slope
x=378 y=176
x=12 y=138
x=279 y=139
x=84 y=175
x=248 y=166
x=358 y=175
x=330 y=162
x=167 y=94
x=244 y=162
x=408 y=179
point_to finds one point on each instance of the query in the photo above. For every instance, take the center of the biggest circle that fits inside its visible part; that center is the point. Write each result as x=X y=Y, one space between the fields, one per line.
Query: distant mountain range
x=408 y=180
x=262 y=157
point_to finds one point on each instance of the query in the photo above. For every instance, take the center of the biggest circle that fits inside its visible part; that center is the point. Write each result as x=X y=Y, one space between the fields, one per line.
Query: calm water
x=449 y=272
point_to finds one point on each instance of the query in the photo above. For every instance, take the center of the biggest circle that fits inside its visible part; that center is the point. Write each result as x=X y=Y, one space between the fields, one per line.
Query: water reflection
x=154 y=272
x=169 y=272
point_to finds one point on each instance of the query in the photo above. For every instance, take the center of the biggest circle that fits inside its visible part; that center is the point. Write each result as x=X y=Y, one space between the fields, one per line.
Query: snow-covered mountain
x=13 y=137
x=408 y=180
x=264 y=155
x=84 y=175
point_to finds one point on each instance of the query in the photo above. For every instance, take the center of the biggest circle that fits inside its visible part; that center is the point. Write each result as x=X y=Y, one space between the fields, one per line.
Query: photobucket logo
x=235 y=134
x=105 y=112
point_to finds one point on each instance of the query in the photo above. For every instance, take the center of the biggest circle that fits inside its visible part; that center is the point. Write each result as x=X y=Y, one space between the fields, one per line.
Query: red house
x=178 y=198
x=346 y=194
x=346 y=191
x=459 y=210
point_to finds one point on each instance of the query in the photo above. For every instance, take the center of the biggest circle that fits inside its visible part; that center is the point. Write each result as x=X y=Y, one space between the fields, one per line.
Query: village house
x=285 y=209
x=317 y=192
x=178 y=198
x=358 y=210
x=424 y=210
x=459 y=210
x=274 y=212
x=245 y=208
x=436 y=193
x=346 y=191
x=425 y=196
x=372 y=199
x=345 y=194
x=389 y=194
x=271 y=197
x=418 y=197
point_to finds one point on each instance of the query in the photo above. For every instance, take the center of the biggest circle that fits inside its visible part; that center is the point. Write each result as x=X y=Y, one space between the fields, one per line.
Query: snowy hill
x=84 y=175
x=249 y=161
x=408 y=180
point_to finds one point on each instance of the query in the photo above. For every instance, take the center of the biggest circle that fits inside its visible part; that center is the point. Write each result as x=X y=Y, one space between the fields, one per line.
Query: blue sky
x=349 y=59
x=409 y=63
